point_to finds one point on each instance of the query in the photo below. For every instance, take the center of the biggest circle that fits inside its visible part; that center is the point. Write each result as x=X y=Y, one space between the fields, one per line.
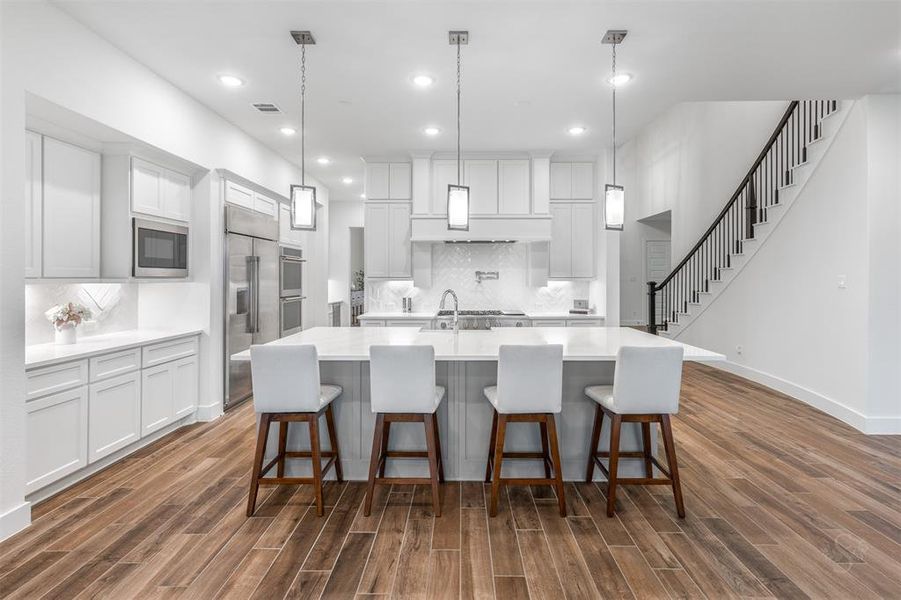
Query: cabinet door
x=177 y=196
x=185 y=381
x=71 y=214
x=148 y=183
x=238 y=194
x=377 y=181
x=561 y=181
x=56 y=432
x=561 y=244
x=513 y=187
x=266 y=205
x=481 y=177
x=582 y=187
x=33 y=203
x=444 y=173
x=582 y=240
x=114 y=415
x=399 y=248
x=399 y=182
x=376 y=240
x=157 y=407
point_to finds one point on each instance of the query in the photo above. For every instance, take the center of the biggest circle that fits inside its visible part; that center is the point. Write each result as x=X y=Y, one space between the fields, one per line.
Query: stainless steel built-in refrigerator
x=252 y=294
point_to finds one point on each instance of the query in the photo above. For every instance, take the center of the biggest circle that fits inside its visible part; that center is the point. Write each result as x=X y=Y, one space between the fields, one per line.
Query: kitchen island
x=466 y=363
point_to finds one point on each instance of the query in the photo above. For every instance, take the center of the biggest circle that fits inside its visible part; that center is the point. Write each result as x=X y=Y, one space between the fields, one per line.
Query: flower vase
x=65 y=335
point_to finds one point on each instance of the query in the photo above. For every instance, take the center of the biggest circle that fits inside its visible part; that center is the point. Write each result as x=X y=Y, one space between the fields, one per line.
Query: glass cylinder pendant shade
x=303 y=207
x=458 y=207
x=614 y=207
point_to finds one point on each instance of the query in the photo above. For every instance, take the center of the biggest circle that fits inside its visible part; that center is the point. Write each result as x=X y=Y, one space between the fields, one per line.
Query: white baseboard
x=15 y=520
x=869 y=425
x=208 y=413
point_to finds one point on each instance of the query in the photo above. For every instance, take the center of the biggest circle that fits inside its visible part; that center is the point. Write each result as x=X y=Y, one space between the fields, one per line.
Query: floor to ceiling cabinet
x=388 y=250
x=572 y=247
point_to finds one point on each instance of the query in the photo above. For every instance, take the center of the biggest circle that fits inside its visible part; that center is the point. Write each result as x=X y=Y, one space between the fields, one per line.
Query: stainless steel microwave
x=160 y=249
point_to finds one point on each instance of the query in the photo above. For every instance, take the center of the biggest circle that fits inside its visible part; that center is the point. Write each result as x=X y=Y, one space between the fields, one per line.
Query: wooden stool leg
x=615 y=425
x=438 y=447
x=558 y=464
x=315 y=450
x=258 y=457
x=498 y=460
x=333 y=441
x=282 y=446
x=646 y=440
x=670 y=446
x=491 y=442
x=386 y=434
x=544 y=449
x=374 y=461
x=595 y=437
x=428 y=422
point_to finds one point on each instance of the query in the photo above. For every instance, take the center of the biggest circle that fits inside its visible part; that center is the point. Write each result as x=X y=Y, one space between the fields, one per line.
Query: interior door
x=240 y=332
x=267 y=321
x=657 y=266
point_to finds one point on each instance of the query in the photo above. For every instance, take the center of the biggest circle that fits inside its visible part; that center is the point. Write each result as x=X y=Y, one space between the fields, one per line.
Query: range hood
x=484 y=228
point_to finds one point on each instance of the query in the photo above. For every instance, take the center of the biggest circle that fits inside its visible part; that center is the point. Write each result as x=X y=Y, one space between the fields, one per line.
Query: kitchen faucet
x=456 y=306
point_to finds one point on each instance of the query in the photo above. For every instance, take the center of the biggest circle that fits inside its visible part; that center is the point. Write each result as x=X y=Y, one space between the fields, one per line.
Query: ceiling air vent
x=266 y=107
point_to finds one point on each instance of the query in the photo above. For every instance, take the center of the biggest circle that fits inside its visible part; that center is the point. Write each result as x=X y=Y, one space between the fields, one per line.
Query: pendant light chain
x=613 y=81
x=303 y=124
x=459 y=175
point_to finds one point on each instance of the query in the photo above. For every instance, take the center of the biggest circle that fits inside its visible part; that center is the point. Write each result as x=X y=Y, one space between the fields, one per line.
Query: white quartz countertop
x=579 y=343
x=42 y=355
x=432 y=315
x=398 y=315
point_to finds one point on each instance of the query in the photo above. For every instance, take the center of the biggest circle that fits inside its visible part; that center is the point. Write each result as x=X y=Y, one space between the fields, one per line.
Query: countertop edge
x=151 y=338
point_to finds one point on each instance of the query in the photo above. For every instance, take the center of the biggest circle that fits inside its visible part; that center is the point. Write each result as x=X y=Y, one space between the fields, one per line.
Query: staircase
x=775 y=179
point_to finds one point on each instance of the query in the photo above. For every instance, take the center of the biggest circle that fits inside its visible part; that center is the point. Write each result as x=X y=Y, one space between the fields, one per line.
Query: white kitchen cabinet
x=237 y=194
x=266 y=205
x=388 y=252
x=399 y=181
x=444 y=173
x=572 y=246
x=34 y=201
x=371 y=323
x=160 y=192
x=185 y=384
x=114 y=415
x=157 y=402
x=481 y=177
x=572 y=181
x=286 y=235
x=419 y=324
x=548 y=323
x=56 y=432
x=71 y=211
x=585 y=323
x=377 y=181
x=514 y=184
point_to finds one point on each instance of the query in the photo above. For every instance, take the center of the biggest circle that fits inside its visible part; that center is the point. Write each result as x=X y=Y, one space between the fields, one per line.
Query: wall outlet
x=842 y=282
x=739 y=349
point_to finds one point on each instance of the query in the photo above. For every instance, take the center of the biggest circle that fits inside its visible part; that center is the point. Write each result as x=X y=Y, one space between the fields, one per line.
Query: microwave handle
x=253 y=281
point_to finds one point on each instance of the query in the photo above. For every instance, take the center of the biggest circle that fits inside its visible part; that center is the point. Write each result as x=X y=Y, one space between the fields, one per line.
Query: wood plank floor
x=782 y=501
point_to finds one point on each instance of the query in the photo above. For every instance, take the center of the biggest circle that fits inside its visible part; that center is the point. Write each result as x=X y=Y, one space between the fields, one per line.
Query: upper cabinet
x=160 y=192
x=237 y=194
x=388 y=181
x=496 y=187
x=572 y=247
x=513 y=187
x=572 y=181
x=70 y=211
x=388 y=250
x=34 y=199
x=481 y=177
x=444 y=173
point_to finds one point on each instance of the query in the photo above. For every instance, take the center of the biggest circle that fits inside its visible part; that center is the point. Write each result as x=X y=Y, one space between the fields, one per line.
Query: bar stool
x=645 y=390
x=529 y=390
x=402 y=389
x=286 y=389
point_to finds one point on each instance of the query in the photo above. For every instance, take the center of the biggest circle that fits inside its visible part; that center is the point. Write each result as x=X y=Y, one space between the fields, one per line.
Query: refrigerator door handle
x=253 y=280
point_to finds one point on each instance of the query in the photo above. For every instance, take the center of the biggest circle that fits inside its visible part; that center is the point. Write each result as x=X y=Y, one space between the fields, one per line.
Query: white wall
x=46 y=53
x=342 y=216
x=800 y=332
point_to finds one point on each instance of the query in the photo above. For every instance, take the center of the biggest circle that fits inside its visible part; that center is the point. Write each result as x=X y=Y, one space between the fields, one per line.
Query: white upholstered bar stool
x=645 y=390
x=402 y=389
x=286 y=389
x=529 y=389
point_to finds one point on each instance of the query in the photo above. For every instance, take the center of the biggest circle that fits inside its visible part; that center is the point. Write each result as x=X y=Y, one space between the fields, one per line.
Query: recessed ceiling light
x=577 y=130
x=423 y=81
x=363 y=196
x=620 y=79
x=288 y=130
x=347 y=180
x=323 y=160
x=231 y=81
x=431 y=131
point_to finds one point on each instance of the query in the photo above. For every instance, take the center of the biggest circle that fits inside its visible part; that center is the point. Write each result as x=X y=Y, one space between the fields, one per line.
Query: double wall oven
x=290 y=291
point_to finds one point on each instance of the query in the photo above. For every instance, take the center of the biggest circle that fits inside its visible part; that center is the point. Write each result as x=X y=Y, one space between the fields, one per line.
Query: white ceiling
x=532 y=69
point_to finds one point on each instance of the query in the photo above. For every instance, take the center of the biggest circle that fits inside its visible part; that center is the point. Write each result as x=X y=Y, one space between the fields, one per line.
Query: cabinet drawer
x=371 y=323
x=50 y=380
x=166 y=351
x=118 y=363
x=407 y=323
x=585 y=323
x=548 y=323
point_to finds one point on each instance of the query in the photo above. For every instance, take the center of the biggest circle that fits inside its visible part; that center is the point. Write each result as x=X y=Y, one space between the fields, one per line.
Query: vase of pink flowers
x=65 y=318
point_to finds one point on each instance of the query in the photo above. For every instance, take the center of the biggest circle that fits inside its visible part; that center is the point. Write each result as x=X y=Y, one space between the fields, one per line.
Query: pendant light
x=614 y=195
x=458 y=195
x=303 y=196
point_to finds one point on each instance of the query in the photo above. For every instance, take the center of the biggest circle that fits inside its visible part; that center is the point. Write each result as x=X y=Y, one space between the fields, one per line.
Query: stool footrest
x=406 y=454
x=528 y=481
x=402 y=480
x=307 y=454
x=639 y=480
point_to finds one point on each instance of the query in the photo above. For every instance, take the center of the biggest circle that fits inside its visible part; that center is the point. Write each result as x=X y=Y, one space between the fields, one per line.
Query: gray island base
x=464 y=367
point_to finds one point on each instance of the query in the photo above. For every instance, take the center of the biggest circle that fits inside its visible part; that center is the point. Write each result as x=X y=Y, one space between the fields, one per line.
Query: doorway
x=357 y=279
x=658 y=260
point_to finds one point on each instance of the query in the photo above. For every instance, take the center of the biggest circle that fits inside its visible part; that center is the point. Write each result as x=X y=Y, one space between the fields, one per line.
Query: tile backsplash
x=454 y=266
x=114 y=307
